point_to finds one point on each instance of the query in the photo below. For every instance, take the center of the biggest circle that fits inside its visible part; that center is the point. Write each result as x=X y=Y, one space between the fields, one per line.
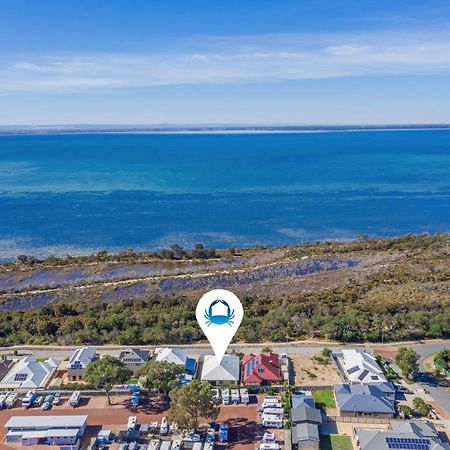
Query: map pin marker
x=219 y=314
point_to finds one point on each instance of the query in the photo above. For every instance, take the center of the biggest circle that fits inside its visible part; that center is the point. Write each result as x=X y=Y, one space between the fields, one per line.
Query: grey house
x=306 y=419
x=134 y=358
x=355 y=400
x=81 y=357
x=402 y=435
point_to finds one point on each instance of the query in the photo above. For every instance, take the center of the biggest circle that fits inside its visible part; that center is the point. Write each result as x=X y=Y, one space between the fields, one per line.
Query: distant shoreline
x=212 y=129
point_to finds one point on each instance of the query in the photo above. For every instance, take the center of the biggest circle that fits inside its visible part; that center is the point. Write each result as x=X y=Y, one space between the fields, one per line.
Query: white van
x=75 y=399
x=164 y=429
x=225 y=396
x=132 y=421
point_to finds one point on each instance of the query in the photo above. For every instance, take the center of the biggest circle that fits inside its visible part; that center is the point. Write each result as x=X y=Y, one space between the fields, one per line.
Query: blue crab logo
x=219 y=319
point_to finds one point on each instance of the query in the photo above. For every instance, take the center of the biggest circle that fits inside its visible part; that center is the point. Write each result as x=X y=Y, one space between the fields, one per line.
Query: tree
x=421 y=407
x=107 y=372
x=190 y=402
x=407 y=359
x=162 y=376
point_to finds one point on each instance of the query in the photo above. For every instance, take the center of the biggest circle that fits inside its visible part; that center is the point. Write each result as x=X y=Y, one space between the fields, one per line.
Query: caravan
x=3 y=397
x=132 y=421
x=244 y=396
x=75 y=399
x=12 y=399
x=271 y=421
x=225 y=396
x=235 y=396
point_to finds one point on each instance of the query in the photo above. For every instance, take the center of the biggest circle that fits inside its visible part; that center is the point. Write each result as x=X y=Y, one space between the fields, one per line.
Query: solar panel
x=408 y=443
x=20 y=377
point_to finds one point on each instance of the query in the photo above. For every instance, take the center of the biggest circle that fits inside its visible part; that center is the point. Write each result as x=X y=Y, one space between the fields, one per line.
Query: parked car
x=57 y=399
x=38 y=401
x=46 y=406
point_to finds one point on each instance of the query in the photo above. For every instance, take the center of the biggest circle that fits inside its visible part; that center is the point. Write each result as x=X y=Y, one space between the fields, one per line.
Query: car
x=38 y=401
x=46 y=406
x=57 y=399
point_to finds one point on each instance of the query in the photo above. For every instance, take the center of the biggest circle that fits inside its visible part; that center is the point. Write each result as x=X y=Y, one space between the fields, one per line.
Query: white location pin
x=219 y=314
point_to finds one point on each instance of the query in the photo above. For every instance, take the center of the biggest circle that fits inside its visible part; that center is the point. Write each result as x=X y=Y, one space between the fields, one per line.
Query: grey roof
x=423 y=428
x=305 y=432
x=375 y=439
x=360 y=398
x=81 y=357
x=50 y=422
x=5 y=365
x=387 y=388
x=304 y=413
x=297 y=399
x=143 y=355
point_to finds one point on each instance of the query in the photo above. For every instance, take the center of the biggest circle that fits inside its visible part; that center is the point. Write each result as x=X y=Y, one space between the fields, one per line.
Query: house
x=80 y=359
x=64 y=431
x=305 y=418
x=261 y=369
x=178 y=356
x=361 y=367
x=402 y=435
x=29 y=373
x=227 y=372
x=388 y=389
x=171 y=355
x=362 y=400
x=5 y=366
x=134 y=358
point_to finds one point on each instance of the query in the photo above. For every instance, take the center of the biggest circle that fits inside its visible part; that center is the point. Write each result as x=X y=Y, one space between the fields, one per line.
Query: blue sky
x=246 y=61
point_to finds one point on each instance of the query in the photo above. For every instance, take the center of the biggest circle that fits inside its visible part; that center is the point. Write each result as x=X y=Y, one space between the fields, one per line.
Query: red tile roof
x=264 y=367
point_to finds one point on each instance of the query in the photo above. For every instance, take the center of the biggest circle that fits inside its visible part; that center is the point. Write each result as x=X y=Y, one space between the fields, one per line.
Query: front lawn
x=324 y=398
x=335 y=442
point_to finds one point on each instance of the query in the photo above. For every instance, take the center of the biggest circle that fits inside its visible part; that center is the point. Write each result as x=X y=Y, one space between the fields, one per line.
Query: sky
x=224 y=62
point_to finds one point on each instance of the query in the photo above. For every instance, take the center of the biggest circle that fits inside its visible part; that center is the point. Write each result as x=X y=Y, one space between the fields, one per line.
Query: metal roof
x=46 y=422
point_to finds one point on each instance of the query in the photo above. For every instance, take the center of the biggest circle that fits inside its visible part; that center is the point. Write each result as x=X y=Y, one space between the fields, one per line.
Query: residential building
x=305 y=418
x=80 y=359
x=361 y=367
x=172 y=355
x=134 y=358
x=227 y=372
x=5 y=367
x=29 y=373
x=362 y=400
x=261 y=369
x=178 y=356
x=402 y=435
x=64 y=431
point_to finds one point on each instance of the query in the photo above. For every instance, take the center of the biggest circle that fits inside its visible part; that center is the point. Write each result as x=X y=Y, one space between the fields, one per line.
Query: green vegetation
x=175 y=251
x=162 y=377
x=324 y=399
x=407 y=359
x=335 y=442
x=389 y=372
x=406 y=411
x=442 y=362
x=327 y=353
x=407 y=299
x=189 y=403
x=106 y=372
x=421 y=407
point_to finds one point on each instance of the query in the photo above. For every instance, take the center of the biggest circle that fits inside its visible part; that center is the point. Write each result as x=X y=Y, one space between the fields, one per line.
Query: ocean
x=80 y=193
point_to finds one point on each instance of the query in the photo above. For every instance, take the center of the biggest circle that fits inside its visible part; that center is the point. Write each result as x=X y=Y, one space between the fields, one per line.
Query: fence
x=373 y=420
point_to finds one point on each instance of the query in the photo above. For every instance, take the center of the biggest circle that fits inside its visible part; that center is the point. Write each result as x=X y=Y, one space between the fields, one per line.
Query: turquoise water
x=79 y=193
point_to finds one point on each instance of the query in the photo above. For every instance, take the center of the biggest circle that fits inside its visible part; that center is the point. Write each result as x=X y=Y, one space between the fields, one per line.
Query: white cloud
x=237 y=59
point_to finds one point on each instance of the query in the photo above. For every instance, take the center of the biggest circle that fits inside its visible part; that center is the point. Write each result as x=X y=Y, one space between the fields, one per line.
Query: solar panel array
x=251 y=365
x=408 y=443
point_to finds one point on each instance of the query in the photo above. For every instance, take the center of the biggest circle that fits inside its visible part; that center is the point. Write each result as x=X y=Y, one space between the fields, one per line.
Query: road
x=424 y=348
